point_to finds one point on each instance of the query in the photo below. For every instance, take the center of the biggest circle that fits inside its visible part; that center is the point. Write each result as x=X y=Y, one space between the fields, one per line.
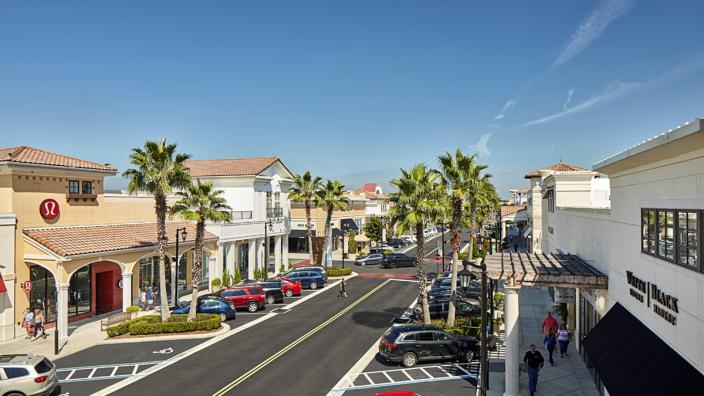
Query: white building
x=645 y=235
x=257 y=190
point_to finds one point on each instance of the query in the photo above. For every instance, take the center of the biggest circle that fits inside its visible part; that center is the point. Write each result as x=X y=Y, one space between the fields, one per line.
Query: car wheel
x=223 y=317
x=313 y=285
x=252 y=306
x=409 y=359
x=289 y=293
x=270 y=299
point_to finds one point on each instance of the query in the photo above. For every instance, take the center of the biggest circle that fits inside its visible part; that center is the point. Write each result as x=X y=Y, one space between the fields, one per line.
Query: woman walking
x=563 y=338
x=39 y=323
x=550 y=342
x=28 y=322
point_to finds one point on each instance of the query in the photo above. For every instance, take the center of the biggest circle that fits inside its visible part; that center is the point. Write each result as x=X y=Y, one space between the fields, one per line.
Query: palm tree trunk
x=473 y=208
x=455 y=240
x=310 y=233
x=161 y=241
x=328 y=219
x=197 y=271
x=422 y=279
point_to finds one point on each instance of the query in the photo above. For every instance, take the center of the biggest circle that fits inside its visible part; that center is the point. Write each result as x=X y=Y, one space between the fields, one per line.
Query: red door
x=104 y=292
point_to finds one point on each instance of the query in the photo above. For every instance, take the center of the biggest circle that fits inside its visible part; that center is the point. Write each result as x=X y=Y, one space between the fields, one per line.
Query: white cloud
x=481 y=147
x=569 y=99
x=507 y=106
x=591 y=28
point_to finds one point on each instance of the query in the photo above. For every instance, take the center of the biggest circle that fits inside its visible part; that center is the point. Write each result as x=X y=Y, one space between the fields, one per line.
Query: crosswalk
x=406 y=376
x=102 y=372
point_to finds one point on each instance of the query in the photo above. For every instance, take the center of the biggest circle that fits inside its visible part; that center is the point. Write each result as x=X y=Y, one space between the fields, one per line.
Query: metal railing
x=274 y=212
x=240 y=215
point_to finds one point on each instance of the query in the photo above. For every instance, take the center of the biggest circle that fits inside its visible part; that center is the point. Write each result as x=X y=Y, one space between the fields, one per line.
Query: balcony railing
x=240 y=215
x=274 y=212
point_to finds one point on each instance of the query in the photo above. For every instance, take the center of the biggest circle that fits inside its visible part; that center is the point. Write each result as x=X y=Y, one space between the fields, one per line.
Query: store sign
x=564 y=295
x=301 y=225
x=49 y=209
x=120 y=284
x=664 y=305
x=27 y=286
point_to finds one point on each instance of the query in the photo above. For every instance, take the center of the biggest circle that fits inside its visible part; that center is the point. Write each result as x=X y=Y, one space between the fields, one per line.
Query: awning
x=337 y=233
x=632 y=360
x=300 y=234
x=3 y=289
x=527 y=232
x=349 y=225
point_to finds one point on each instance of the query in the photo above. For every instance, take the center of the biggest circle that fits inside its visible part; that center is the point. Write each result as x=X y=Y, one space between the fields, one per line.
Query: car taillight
x=41 y=379
x=388 y=344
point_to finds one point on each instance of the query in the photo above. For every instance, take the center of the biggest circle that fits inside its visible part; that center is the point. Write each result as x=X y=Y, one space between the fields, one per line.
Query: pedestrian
x=515 y=248
x=343 y=289
x=533 y=362
x=150 y=298
x=28 y=322
x=143 y=299
x=563 y=338
x=39 y=323
x=550 y=342
x=549 y=323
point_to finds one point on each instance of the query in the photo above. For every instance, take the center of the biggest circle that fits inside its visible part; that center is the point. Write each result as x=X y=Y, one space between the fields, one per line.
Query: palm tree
x=305 y=188
x=158 y=170
x=331 y=196
x=200 y=202
x=414 y=202
x=456 y=173
x=481 y=198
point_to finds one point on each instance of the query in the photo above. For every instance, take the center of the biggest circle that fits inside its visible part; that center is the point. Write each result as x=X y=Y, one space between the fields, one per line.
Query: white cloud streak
x=507 y=106
x=569 y=99
x=482 y=145
x=591 y=28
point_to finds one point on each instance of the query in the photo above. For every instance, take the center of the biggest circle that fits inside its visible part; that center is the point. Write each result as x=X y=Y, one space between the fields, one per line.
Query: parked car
x=379 y=250
x=210 y=305
x=396 y=243
x=411 y=343
x=318 y=268
x=290 y=288
x=438 y=308
x=444 y=292
x=396 y=260
x=307 y=279
x=27 y=374
x=252 y=298
x=446 y=281
x=273 y=291
x=397 y=393
x=370 y=259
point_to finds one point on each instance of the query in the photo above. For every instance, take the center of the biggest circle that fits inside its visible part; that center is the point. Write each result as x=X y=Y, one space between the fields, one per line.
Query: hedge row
x=338 y=271
x=152 y=324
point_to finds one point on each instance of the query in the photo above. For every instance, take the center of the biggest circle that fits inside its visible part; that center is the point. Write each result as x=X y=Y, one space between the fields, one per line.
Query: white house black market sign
x=664 y=305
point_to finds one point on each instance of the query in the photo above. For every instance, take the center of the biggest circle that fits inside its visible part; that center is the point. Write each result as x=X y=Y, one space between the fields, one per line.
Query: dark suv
x=410 y=343
x=272 y=288
x=438 y=308
x=395 y=260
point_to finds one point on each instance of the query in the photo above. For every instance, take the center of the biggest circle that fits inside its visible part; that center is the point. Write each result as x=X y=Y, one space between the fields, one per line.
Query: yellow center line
x=292 y=345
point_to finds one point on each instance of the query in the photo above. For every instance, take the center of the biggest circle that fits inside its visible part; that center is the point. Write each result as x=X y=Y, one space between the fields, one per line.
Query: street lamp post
x=183 y=234
x=343 y=249
x=465 y=275
x=442 y=236
x=270 y=226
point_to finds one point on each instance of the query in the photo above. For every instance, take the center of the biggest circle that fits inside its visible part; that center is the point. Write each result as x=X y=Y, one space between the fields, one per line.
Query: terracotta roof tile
x=559 y=167
x=370 y=187
x=100 y=238
x=507 y=210
x=229 y=167
x=31 y=155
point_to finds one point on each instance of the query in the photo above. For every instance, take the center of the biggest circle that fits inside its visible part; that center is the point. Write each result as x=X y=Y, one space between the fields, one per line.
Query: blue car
x=307 y=279
x=210 y=305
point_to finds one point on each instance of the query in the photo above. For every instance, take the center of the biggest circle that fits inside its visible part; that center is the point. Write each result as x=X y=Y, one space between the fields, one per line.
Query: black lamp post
x=183 y=234
x=270 y=226
x=465 y=276
x=442 y=237
x=343 y=249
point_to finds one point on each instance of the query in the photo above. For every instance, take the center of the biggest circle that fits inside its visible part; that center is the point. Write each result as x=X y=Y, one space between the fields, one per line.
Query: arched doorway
x=43 y=294
x=94 y=288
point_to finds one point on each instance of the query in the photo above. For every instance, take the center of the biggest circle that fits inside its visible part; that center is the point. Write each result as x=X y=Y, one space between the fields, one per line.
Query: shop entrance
x=103 y=302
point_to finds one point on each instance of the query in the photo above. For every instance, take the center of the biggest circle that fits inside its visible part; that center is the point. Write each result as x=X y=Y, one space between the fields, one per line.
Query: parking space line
x=368 y=379
x=388 y=376
x=93 y=369
x=439 y=369
x=426 y=373
x=92 y=372
x=407 y=375
x=444 y=371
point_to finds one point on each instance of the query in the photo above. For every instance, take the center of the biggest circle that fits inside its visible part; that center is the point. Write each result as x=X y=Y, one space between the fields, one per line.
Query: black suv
x=410 y=343
x=443 y=293
x=272 y=289
x=395 y=260
x=438 y=308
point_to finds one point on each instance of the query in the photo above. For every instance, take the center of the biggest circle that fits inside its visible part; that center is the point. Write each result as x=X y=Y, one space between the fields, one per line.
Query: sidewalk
x=569 y=376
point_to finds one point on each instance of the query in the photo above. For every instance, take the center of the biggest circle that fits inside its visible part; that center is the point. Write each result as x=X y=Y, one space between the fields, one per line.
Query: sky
x=352 y=90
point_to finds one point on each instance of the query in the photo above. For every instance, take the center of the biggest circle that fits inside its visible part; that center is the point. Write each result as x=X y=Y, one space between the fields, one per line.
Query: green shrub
x=238 y=278
x=498 y=298
x=462 y=256
x=352 y=246
x=338 y=271
x=124 y=327
x=388 y=251
x=132 y=308
x=216 y=282
x=152 y=324
x=257 y=273
x=226 y=279
x=282 y=269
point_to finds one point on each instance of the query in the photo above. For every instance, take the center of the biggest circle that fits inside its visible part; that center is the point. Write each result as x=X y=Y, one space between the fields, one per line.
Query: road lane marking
x=295 y=343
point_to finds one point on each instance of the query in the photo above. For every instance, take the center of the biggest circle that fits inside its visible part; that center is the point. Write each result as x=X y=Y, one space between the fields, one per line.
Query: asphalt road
x=302 y=352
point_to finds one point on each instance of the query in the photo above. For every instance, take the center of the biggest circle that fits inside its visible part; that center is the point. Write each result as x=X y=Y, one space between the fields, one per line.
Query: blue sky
x=351 y=90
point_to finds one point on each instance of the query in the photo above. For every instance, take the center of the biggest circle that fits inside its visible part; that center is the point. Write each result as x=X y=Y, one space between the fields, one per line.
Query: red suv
x=250 y=297
x=290 y=288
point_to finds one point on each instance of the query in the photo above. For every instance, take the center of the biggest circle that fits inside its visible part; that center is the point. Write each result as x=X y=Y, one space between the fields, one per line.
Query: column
x=231 y=258
x=7 y=269
x=284 y=254
x=277 y=254
x=218 y=261
x=174 y=280
x=62 y=312
x=511 y=312
x=212 y=269
x=126 y=291
x=252 y=262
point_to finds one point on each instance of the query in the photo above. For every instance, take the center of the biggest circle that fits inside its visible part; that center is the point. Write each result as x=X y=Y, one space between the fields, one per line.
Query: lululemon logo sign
x=49 y=209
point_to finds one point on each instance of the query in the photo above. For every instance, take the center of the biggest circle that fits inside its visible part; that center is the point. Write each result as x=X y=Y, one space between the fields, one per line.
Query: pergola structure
x=534 y=269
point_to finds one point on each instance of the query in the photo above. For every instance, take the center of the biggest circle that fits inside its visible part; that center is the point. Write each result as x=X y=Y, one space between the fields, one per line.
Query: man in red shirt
x=549 y=323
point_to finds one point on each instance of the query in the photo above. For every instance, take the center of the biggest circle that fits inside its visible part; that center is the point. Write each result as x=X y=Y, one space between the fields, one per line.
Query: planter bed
x=152 y=325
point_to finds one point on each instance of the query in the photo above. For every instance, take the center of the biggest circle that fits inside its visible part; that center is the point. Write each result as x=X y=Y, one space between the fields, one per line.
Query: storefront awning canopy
x=632 y=360
x=544 y=269
x=349 y=225
x=3 y=288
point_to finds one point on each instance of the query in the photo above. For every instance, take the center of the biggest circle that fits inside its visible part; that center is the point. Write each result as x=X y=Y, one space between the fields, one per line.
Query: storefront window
x=243 y=257
x=687 y=239
x=79 y=292
x=205 y=272
x=183 y=286
x=666 y=234
x=43 y=292
x=647 y=223
x=149 y=276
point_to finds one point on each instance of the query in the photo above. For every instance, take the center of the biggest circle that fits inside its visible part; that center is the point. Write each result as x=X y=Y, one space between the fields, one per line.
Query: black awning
x=300 y=233
x=632 y=360
x=349 y=225
x=336 y=233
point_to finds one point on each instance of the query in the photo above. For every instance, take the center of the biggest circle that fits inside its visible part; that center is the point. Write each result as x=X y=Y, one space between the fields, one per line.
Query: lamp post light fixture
x=268 y=225
x=183 y=234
